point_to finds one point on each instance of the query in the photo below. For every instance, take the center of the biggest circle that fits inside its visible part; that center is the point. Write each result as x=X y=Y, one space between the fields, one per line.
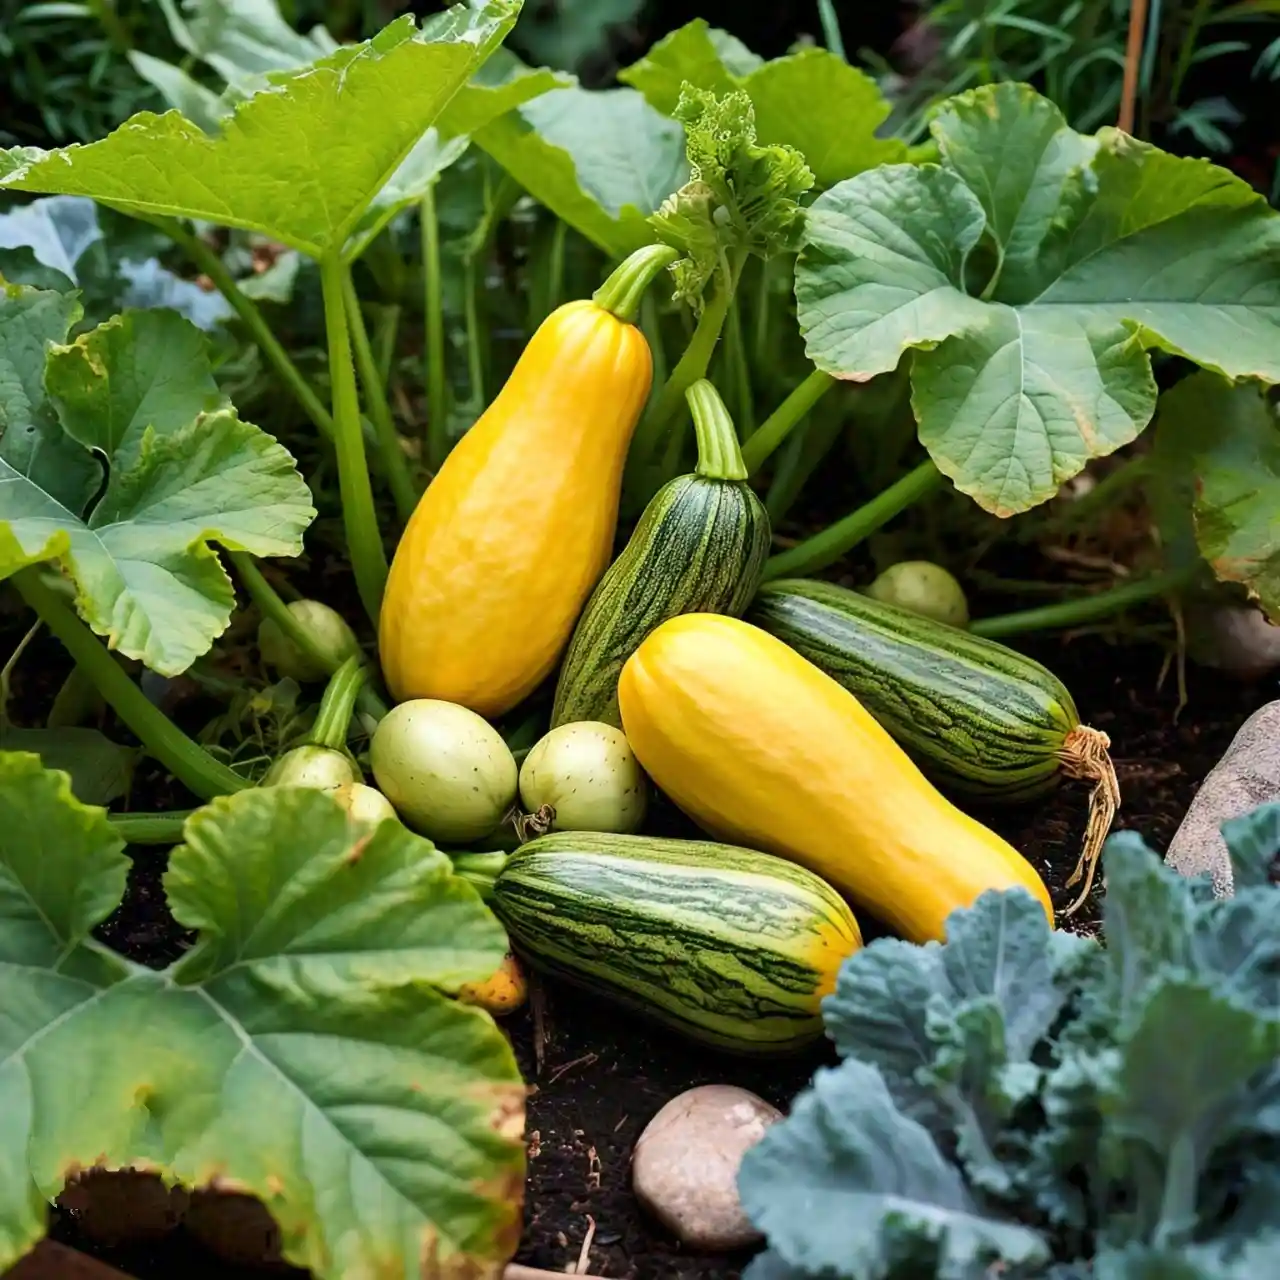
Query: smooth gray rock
x=1247 y=776
x=685 y=1166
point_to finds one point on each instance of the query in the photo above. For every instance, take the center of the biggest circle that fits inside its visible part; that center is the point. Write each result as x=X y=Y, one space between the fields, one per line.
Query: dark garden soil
x=605 y=1074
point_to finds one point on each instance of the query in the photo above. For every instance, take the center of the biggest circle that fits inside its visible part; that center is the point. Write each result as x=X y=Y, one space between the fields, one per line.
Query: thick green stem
x=471 y=312
x=760 y=341
x=189 y=762
x=480 y=870
x=622 y=293
x=555 y=268
x=149 y=828
x=333 y=720
x=433 y=356
x=1091 y=608
x=834 y=541
x=245 y=307
x=651 y=327
x=6 y=672
x=652 y=432
x=386 y=331
x=783 y=420
x=830 y=27
x=805 y=451
x=735 y=356
x=270 y=605
x=364 y=543
x=1178 y=1201
x=719 y=457
x=394 y=463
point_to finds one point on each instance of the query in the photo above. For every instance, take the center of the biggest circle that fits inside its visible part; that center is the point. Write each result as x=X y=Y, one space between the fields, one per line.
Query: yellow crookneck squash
x=517 y=526
x=764 y=750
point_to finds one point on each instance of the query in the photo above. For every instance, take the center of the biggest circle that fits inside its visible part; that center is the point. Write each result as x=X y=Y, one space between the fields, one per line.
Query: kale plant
x=1018 y=1102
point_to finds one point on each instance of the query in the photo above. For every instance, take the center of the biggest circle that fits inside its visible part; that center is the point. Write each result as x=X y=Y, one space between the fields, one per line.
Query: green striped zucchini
x=699 y=547
x=731 y=947
x=976 y=717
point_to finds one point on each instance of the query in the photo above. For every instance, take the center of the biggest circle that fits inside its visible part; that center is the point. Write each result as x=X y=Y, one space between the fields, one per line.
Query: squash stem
x=719 y=457
x=624 y=290
x=785 y=418
x=1074 y=613
x=333 y=720
x=651 y=327
x=245 y=307
x=189 y=762
x=657 y=423
x=480 y=870
x=433 y=356
x=149 y=828
x=394 y=463
x=368 y=558
x=834 y=541
x=471 y=316
x=735 y=361
x=272 y=606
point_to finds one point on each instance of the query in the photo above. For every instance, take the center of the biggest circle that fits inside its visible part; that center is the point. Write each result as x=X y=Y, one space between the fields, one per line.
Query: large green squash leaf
x=300 y=160
x=812 y=100
x=1220 y=446
x=182 y=471
x=32 y=444
x=302 y=1052
x=498 y=88
x=1030 y=271
x=601 y=161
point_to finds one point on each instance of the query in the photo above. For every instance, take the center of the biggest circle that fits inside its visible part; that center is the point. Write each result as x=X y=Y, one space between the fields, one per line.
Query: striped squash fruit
x=762 y=749
x=731 y=947
x=514 y=531
x=978 y=718
x=699 y=547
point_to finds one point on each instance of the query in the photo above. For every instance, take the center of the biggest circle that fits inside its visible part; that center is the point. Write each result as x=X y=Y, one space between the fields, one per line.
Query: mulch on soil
x=605 y=1074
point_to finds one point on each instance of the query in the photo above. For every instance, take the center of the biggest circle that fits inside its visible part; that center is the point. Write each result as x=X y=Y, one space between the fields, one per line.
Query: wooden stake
x=1132 y=62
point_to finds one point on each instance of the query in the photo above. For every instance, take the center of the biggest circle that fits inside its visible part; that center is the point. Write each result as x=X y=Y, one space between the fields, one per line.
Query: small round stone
x=684 y=1169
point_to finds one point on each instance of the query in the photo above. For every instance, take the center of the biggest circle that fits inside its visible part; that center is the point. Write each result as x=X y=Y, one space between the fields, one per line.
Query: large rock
x=685 y=1166
x=1247 y=776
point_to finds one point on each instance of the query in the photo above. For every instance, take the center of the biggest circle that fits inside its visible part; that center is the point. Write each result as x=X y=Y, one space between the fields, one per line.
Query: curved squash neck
x=719 y=457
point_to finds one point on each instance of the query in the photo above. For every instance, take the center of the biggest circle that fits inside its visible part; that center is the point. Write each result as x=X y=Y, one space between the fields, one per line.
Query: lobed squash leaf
x=99 y=770
x=600 y=160
x=301 y=159
x=301 y=1052
x=1022 y=1102
x=812 y=100
x=182 y=470
x=248 y=42
x=1030 y=271
x=501 y=85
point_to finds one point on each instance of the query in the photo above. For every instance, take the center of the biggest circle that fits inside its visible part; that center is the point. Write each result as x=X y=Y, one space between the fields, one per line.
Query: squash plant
x=302 y=161
x=121 y=462
x=1024 y=1102
x=304 y=1050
